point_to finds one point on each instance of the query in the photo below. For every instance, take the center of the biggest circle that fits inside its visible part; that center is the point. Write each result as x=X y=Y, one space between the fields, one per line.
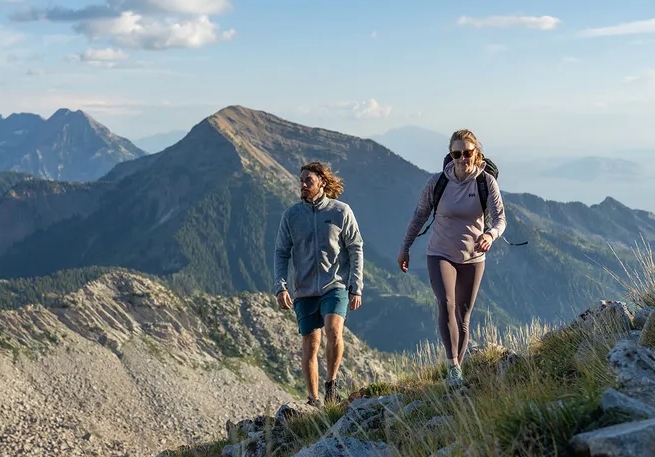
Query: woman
x=458 y=242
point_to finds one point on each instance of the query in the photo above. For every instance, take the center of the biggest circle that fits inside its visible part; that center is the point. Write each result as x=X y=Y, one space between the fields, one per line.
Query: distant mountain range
x=203 y=213
x=160 y=141
x=68 y=146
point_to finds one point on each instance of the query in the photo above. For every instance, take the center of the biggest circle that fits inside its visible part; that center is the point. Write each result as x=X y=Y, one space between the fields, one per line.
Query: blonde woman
x=458 y=241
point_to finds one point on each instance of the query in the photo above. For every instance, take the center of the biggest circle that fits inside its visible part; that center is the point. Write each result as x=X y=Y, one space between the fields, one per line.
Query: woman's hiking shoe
x=454 y=377
x=331 y=393
x=314 y=402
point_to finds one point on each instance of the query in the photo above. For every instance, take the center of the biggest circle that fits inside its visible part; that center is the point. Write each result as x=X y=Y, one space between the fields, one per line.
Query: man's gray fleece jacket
x=323 y=242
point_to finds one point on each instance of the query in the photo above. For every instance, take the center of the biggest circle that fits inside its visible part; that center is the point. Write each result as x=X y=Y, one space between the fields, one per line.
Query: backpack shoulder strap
x=483 y=189
x=438 y=191
x=436 y=196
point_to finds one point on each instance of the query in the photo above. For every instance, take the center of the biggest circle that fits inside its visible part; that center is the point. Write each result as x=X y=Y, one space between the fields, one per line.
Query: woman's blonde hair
x=333 y=185
x=467 y=135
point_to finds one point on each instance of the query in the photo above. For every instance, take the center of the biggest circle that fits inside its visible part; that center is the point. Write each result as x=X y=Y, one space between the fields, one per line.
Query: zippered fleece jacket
x=323 y=242
x=459 y=220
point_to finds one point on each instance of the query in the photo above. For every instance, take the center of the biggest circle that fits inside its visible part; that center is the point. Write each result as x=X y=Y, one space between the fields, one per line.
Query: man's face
x=311 y=185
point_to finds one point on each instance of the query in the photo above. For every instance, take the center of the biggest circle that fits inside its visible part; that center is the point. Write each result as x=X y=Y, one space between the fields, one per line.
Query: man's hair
x=333 y=185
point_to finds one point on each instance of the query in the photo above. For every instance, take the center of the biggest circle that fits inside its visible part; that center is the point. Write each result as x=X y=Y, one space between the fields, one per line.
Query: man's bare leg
x=310 y=345
x=334 y=344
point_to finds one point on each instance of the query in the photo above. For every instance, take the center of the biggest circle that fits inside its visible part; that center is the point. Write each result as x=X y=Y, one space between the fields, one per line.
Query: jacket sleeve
x=421 y=214
x=283 y=245
x=496 y=209
x=352 y=240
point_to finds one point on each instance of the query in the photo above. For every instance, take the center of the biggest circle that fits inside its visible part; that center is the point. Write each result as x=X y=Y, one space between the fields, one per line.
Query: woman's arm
x=496 y=209
x=421 y=214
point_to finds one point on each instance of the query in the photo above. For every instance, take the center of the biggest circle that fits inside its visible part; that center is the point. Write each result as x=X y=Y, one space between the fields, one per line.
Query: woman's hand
x=403 y=261
x=484 y=243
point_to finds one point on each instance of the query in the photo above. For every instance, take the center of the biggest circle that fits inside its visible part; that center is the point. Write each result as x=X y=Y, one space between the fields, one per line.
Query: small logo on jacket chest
x=471 y=195
x=328 y=221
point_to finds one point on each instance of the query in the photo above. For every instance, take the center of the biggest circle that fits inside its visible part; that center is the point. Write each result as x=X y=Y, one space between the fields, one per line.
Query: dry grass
x=639 y=281
x=531 y=407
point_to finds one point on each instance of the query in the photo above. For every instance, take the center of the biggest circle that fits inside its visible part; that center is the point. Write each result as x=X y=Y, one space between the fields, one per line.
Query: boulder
x=347 y=447
x=630 y=439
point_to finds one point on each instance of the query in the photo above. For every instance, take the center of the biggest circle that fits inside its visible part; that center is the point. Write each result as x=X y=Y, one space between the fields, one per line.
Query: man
x=321 y=237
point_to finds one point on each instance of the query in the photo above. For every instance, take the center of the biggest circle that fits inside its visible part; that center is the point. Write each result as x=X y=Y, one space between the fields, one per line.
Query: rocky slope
x=123 y=366
x=68 y=146
x=584 y=389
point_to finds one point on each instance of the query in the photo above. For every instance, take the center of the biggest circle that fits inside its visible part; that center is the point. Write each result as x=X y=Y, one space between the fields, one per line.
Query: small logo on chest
x=471 y=195
x=328 y=221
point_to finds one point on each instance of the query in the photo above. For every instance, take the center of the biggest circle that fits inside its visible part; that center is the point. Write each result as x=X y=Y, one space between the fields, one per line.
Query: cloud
x=114 y=8
x=107 y=58
x=134 y=31
x=141 y=24
x=106 y=54
x=37 y=72
x=531 y=22
x=196 y=7
x=374 y=34
x=626 y=28
x=368 y=109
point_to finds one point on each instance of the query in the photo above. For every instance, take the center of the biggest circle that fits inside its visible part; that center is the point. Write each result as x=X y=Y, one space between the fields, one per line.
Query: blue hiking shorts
x=311 y=311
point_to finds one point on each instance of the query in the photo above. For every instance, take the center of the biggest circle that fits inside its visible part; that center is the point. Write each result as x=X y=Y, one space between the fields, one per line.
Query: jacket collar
x=319 y=204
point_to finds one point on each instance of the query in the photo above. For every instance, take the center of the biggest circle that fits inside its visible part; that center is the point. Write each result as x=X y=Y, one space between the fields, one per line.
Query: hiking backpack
x=483 y=193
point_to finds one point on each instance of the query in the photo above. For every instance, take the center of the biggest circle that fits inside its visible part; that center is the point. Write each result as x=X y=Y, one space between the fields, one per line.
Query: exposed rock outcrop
x=124 y=366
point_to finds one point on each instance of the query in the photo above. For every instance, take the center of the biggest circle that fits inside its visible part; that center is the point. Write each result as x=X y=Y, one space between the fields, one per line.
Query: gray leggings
x=456 y=287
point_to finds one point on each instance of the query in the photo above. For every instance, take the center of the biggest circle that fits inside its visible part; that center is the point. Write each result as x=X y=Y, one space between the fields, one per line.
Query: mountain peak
x=69 y=145
x=67 y=115
x=612 y=202
x=244 y=117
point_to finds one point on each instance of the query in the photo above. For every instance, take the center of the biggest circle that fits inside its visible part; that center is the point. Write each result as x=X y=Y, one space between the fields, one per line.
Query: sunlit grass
x=528 y=390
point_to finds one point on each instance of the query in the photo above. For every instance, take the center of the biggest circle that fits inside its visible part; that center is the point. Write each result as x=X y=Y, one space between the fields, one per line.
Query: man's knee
x=334 y=328
x=311 y=343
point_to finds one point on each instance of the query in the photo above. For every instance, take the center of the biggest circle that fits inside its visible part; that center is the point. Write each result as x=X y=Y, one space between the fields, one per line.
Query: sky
x=554 y=76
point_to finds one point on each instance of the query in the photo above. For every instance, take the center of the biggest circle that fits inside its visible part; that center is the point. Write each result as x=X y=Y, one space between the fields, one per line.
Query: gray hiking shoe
x=454 y=377
x=314 y=402
x=331 y=392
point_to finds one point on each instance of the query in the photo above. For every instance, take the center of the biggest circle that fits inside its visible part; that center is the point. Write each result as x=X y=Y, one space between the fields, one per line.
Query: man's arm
x=353 y=242
x=283 y=245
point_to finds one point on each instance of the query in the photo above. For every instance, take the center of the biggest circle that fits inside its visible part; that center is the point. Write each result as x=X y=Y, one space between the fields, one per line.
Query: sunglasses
x=468 y=153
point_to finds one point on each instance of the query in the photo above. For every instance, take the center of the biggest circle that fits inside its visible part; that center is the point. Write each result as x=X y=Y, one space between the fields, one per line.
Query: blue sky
x=533 y=76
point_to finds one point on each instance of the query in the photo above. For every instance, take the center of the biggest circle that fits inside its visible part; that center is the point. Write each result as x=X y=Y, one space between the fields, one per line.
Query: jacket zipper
x=318 y=282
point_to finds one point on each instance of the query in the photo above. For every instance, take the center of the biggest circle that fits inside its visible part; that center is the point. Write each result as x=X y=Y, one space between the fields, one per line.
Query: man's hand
x=355 y=301
x=284 y=300
x=484 y=243
x=403 y=261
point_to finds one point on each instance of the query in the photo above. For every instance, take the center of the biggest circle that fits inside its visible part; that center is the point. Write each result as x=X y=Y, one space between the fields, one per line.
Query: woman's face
x=464 y=153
